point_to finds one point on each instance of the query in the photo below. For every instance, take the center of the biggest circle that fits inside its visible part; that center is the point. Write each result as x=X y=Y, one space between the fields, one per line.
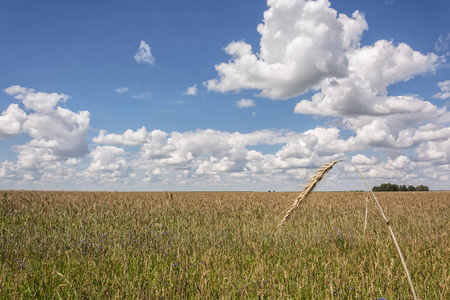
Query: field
x=221 y=245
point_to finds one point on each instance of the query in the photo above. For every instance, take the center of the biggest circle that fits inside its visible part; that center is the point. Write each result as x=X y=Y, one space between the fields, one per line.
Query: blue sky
x=234 y=95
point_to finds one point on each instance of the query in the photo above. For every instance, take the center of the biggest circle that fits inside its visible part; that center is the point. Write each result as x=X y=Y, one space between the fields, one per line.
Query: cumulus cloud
x=213 y=155
x=129 y=138
x=39 y=102
x=121 y=90
x=361 y=98
x=203 y=152
x=144 y=55
x=57 y=134
x=191 y=91
x=244 y=103
x=107 y=159
x=302 y=43
x=436 y=153
x=11 y=121
x=445 y=90
x=364 y=90
x=360 y=159
x=307 y=45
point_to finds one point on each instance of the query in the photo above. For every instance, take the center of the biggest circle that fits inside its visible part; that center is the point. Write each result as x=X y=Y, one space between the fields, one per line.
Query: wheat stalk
x=308 y=189
x=312 y=184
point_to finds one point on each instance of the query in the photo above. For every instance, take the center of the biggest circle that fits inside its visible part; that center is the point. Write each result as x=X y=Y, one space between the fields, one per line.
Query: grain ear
x=308 y=189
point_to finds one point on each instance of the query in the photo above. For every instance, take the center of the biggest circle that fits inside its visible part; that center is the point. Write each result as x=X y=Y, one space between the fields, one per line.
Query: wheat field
x=221 y=245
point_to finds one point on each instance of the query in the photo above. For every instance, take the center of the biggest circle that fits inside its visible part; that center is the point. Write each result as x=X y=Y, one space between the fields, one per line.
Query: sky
x=223 y=95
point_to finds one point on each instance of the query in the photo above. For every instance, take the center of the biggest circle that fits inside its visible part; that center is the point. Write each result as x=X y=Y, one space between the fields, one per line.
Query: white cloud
x=302 y=43
x=442 y=45
x=39 y=102
x=144 y=55
x=191 y=91
x=11 y=121
x=364 y=91
x=108 y=164
x=399 y=163
x=436 y=153
x=184 y=157
x=209 y=158
x=121 y=90
x=360 y=159
x=129 y=138
x=57 y=134
x=73 y=161
x=244 y=103
x=143 y=95
x=445 y=90
x=8 y=170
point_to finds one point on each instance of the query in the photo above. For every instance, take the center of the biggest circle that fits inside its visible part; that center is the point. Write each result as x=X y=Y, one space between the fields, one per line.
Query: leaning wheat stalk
x=308 y=189
x=316 y=179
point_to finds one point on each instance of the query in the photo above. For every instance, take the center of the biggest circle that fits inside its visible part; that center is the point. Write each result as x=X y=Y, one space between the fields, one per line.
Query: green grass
x=81 y=245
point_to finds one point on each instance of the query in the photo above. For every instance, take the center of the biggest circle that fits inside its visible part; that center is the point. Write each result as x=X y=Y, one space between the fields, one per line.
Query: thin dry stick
x=318 y=177
x=365 y=219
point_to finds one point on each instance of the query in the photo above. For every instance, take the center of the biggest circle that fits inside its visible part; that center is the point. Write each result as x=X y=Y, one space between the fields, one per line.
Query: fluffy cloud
x=307 y=45
x=211 y=152
x=215 y=156
x=360 y=159
x=302 y=43
x=244 y=103
x=361 y=98
x=364 y=91
x=129 y=138
x=211 y=158
x=121 y=90
x=11 y=121
x=144 y=55
x=108 y=163
x=57 y=134
x=191 y=91
x=445 y=90
x=39 y=102
x=437 y=153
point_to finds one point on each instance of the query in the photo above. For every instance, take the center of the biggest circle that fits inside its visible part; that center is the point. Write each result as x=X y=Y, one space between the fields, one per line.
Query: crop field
x=221 y=245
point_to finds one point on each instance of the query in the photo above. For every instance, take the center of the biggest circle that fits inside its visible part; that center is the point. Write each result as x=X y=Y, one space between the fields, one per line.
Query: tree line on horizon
x=389 y=187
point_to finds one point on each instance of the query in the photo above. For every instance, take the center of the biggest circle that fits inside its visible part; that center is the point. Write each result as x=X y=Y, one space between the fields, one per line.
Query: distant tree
x=395 y=188
x=389 y=187
x=422 y=188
